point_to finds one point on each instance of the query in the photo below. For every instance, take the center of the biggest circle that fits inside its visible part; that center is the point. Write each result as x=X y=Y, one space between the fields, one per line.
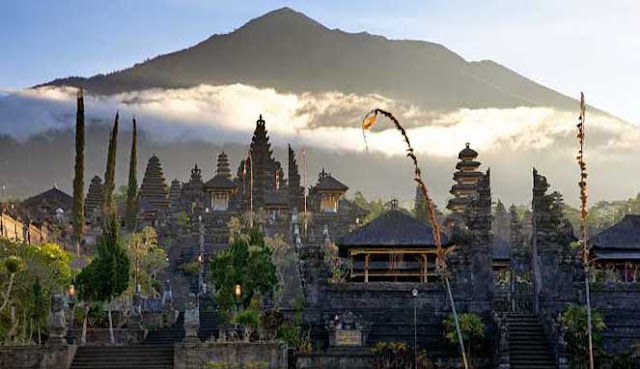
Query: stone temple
x=368 y=282
x=511 y=270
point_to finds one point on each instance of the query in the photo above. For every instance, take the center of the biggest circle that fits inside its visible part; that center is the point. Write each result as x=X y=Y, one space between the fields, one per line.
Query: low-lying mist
x=184 y=126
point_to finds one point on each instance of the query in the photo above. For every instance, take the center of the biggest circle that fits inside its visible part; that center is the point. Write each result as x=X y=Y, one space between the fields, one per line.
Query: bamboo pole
x=583 y=222
x=441 y=265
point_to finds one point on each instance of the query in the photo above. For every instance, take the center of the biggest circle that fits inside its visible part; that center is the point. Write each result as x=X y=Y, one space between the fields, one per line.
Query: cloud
x=510 y=141
x=328 y=120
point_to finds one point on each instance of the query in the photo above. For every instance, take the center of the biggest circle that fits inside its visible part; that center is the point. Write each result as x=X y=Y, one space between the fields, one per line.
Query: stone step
x=528 y=345
x=124 y=357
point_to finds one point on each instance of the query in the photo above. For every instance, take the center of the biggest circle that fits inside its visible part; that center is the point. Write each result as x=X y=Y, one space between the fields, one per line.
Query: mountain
x=291 y=52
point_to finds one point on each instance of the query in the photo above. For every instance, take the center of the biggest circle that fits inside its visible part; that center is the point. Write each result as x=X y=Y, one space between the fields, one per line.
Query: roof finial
x=393 y=204
x=467 y=145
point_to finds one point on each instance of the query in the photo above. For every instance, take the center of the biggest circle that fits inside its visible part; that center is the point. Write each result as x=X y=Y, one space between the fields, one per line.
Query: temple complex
x=368 y=281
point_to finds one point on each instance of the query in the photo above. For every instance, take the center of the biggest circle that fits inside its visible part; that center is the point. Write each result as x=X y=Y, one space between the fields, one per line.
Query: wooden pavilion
x=395 y=247
x=616 y=251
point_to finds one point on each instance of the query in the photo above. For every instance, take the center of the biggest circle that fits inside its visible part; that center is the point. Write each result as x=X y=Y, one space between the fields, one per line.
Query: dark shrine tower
x=259 y=170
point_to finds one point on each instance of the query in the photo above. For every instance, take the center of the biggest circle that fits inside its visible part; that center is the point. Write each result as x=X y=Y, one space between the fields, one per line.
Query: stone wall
x=36 y=357
x=618 y=304
x=15 y=230
x=263 y=355
x=351 y=358
x=389 y=309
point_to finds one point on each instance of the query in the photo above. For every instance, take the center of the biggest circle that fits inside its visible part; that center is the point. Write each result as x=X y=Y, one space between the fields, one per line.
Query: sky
x=568 y=45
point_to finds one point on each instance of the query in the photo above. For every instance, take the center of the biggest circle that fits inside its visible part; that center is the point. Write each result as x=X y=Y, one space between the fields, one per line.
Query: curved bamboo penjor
x=583 y=222
x=441 y=265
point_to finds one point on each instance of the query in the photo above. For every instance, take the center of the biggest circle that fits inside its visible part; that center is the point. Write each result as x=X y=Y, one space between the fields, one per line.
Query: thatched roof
x=623 y=236
x=220 y=182
x=393 y=228
x=54 y=196
x=327 y=183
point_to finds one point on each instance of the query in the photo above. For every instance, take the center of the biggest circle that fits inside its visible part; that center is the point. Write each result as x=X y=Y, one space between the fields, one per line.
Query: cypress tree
x=132 y=191
x=78 y=180
x=110 y=172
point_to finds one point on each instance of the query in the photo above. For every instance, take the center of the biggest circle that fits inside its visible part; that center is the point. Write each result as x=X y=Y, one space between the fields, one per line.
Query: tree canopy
x=247 y=262
x=108 y=274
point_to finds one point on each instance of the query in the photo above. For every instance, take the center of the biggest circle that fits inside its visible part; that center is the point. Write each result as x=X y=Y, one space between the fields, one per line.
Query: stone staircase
x=156 y=352
x=166 y=336
x=123 y=357
x=528 y=345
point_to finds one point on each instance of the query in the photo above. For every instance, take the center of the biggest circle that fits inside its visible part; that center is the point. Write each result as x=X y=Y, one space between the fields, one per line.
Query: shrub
x=191 y=268
x=574 y=322
x=391 y=355
x=249 y=319
x=472 y=329
x=295 y=336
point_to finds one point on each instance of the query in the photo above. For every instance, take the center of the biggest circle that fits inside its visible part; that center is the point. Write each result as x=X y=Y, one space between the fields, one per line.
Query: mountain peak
x=283 y=17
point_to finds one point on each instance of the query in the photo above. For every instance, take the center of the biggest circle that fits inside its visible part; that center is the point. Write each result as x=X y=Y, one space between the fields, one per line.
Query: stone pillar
x=552 y=258
x=191 y=320
x=479 y=250
x=57 y=324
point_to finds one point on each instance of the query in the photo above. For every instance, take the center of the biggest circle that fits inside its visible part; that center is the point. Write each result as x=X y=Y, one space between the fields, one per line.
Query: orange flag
x=369 y=120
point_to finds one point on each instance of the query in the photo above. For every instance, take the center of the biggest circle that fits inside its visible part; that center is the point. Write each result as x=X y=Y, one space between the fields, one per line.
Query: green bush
x=472 y=329
x=249 y=320
x=574 y=322
x=29 y=274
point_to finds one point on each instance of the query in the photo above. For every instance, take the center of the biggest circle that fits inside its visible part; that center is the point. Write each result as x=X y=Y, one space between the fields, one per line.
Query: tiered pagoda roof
x=174 y=192
x=154 y=191
x=223 y=168
x=95 y=195
x=466 y=178
x=260 y=165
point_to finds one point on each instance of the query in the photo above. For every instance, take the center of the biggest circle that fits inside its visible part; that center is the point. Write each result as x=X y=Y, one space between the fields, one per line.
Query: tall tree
x=107 y=277
x=132 y=190
x=78 y=180
x=110 y=172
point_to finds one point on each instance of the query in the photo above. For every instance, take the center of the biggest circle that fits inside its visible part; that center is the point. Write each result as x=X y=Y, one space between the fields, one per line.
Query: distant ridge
x=291 y=52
